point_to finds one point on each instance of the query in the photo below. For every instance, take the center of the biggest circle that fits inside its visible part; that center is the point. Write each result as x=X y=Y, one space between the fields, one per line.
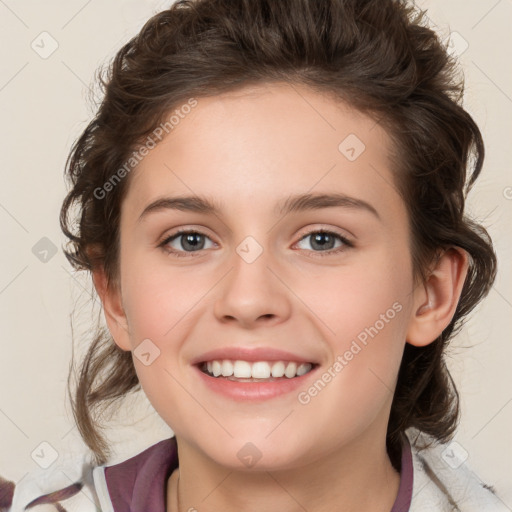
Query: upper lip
x=250 y=354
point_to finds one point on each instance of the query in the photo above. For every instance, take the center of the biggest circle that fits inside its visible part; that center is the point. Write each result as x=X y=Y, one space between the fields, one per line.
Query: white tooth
x=291 y=370
x=278 y=369
x=209 y=366
x=242 y=370
x=216 y=368
x=227 y=368
x=260 y=370
x=303 y=369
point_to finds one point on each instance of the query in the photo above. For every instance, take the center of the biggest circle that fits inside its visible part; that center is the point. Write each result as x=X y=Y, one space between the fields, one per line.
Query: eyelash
x=185 y=254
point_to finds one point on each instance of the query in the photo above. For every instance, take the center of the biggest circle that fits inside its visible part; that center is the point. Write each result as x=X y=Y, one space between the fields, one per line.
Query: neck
x=359 y=477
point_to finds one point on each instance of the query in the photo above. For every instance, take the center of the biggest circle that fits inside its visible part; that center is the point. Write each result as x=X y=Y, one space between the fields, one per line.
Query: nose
x=253 y=292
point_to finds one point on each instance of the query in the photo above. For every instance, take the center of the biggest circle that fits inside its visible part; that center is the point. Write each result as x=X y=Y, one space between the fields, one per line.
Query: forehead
x=263 y=142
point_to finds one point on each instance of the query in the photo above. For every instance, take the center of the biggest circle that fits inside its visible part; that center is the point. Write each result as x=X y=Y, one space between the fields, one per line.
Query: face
x=325 y=282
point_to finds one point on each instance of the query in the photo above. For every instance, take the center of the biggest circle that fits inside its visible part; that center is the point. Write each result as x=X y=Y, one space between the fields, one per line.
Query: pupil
x=317 y=240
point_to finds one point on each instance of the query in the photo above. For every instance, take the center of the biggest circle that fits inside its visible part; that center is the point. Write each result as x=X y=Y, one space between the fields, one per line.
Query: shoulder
x=443 y=480
x=65 y=485
x=74 y=484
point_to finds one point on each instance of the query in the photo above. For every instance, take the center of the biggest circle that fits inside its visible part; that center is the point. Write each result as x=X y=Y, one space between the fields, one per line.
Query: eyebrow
x=296 y=203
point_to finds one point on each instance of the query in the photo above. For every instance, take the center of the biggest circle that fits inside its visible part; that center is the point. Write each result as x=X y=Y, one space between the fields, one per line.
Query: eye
x=323 y=241
x=184 y=241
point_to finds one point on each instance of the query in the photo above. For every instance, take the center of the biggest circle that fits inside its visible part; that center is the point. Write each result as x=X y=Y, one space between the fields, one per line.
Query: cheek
x=158 y=299
x=158 y=303
x=354 y=297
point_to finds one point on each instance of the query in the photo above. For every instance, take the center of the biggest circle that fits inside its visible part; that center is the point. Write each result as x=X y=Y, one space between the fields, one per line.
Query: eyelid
x=322 y=228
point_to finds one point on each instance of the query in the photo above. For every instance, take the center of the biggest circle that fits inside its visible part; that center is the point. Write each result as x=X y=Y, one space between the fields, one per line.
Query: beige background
x=43 y=105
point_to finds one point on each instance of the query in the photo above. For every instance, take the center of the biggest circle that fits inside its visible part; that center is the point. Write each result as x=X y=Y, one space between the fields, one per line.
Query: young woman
x=270 y=201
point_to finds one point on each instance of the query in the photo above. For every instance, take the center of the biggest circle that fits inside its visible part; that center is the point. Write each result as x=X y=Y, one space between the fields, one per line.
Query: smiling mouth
x=258 y=371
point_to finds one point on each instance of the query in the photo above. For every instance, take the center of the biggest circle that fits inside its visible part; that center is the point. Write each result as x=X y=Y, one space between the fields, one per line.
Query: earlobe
x=436 y=300
x=113 y=310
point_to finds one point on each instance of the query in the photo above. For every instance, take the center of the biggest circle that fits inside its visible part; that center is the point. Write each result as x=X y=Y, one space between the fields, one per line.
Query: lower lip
x=254 y=390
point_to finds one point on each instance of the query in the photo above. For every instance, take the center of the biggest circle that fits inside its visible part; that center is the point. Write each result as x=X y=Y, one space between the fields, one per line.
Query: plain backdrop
x=49 y=53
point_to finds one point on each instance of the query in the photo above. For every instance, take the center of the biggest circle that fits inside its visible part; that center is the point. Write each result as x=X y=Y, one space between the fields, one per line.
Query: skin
x=248 y=150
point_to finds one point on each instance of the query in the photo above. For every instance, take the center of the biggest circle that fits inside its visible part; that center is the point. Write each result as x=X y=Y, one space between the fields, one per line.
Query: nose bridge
x=251 y=289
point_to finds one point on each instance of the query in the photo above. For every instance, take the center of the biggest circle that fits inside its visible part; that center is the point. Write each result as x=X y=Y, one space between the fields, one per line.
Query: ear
x=110 y=295
x=435 y=301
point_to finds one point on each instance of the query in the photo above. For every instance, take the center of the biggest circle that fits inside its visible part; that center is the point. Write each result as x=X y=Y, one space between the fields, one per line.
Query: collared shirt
x=435 y=479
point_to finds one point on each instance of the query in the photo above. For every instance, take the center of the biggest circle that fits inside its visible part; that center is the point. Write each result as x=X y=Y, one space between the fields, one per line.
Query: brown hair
x=378 y=56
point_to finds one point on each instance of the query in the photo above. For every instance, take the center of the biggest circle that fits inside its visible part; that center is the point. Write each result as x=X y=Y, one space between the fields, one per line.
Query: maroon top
x=139 y=484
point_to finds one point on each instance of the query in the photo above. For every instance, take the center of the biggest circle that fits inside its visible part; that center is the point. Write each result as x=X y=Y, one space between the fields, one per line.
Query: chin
x=255 y=454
